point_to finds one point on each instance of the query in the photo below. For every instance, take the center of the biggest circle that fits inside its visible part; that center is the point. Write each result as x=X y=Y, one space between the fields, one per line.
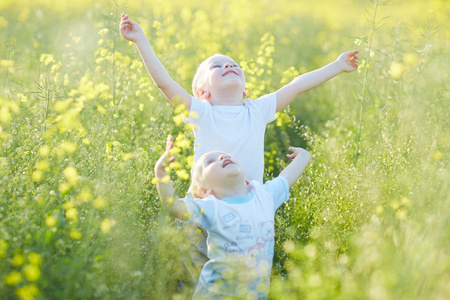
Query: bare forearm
x=168 y=198
x=172 y=90
x=153 y=64
x=295 y=169
x=312 y=79
x=304 y=83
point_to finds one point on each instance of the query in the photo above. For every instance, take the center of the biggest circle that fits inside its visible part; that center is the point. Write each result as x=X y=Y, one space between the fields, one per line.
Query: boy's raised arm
x=346 y=62
x=176 y=95
x=300 y=159
x=165 y=187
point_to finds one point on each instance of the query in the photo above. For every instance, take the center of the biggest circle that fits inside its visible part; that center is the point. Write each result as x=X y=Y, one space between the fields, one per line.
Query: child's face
x=222 y=72
x=217 y=168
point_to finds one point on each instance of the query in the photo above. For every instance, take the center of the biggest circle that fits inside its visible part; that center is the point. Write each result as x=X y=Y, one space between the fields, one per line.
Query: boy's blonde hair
x=196 y=181
x=197 y=82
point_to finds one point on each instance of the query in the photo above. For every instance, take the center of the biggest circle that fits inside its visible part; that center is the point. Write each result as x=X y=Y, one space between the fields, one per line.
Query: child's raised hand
x=166 y=158
x=348 y=61
x=295 y=152
x=130 y=30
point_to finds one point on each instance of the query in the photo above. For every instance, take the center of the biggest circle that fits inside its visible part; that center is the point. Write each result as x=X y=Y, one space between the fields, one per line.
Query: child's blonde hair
x=199 y=75
x=196 y=181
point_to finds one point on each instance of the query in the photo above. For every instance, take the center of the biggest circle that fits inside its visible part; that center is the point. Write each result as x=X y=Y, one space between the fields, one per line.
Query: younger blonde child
x=238 y=217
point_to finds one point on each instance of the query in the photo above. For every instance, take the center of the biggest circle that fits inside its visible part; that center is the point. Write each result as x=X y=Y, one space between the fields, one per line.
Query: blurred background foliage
x=82 y=124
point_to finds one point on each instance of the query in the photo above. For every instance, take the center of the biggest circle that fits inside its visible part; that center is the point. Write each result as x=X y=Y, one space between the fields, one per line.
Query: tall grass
x=81 y=126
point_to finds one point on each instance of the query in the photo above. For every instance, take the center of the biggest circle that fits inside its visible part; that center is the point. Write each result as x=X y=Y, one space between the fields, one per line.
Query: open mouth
x=230 y=72
x=226 y=163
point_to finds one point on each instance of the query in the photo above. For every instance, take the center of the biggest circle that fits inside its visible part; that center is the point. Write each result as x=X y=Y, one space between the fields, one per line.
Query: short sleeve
x=196 y=112
x=267 y=107
x=201 y=211
x=278 y=189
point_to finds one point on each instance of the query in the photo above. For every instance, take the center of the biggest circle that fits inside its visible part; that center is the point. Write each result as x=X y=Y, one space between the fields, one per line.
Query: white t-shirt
x=236 y=130
x=241 y=236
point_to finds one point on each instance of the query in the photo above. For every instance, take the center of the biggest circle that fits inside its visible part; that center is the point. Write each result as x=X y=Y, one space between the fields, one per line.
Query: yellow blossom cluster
x=25 y=269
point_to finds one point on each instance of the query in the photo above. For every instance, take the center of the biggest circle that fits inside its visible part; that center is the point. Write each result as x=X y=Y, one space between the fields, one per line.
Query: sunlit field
x=82 y=124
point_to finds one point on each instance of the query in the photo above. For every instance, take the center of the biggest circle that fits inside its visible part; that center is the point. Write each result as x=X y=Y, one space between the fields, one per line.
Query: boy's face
x=217 y=168
x=222 y=72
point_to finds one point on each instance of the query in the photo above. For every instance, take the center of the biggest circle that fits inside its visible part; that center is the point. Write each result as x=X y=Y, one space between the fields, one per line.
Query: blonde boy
x=224 y=120
x=239 y=218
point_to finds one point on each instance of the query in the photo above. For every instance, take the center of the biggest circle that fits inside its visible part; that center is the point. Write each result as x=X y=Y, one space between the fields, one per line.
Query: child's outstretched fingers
x=293 y=154
x=169 y=145
x=169 y=142
x=353 y=58
x=349 y=61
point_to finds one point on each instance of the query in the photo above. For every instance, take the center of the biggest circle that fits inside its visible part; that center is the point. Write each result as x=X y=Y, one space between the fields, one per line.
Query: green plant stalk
x=364 y=93
x=47 y=103
x=8 y=57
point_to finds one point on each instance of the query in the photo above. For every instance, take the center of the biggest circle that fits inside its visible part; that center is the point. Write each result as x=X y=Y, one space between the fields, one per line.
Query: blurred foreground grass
x=81 y=125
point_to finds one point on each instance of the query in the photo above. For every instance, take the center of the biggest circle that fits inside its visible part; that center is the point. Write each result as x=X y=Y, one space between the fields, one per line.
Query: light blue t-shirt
x=240 y=239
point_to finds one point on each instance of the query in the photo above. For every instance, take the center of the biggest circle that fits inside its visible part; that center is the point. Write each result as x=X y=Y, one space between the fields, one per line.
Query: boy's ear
x=204 y=192
x=202 y=94
x=245 y=93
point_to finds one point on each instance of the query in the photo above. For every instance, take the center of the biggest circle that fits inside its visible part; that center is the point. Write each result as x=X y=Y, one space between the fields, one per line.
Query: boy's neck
x=229 y=98
x=239 y=190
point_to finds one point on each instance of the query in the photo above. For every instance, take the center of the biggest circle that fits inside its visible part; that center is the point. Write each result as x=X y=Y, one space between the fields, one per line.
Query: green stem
x=363 y=99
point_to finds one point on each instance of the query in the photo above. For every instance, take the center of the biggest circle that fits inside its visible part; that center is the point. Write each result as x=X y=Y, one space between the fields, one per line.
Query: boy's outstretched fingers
x=169 y=142
x=353 y=57
x=169 y=145
x=293 y=154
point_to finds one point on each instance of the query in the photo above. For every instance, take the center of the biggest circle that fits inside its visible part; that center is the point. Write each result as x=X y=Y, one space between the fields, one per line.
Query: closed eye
x=215 y=66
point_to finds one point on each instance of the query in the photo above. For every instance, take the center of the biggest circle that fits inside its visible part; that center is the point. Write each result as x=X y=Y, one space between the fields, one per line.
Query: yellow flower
x=72 y=214
x=100 y=202
x=50 y=221
x=64 y=187
x=182 y=174
x=101 y=109
x=34 y=258
x=62 y=106
x=106 y=225
x=165 y=179
x=437 y=156
x=43 y=165
x=85 y=195
x=18 y=260
x=68 y=204
x=289 y=246
x=103 y=31
x=44 y=151
x=68 y=147
x=5 y=115
x=71 y=175
x=13 y=278
x=27 y=292
x=178 y=119
x=396 y=70
x=31 y=272
x=75 y=234
x=37 y=176
x=410 y=59
x=126 y=156
x=86 y=141
x=46 y=59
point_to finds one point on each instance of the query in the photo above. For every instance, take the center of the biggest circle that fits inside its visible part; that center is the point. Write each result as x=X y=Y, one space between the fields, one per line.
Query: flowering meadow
x=82 y=124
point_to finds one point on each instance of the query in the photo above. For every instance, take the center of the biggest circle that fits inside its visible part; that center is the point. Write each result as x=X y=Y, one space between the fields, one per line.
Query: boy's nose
x=223 y=156
x=228 y=65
